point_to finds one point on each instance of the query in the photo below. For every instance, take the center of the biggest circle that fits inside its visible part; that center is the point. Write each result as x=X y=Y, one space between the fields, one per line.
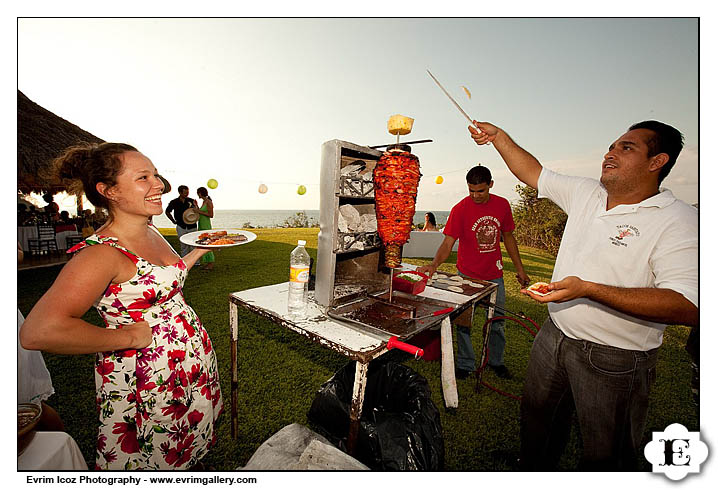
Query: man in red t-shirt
x=479 y=222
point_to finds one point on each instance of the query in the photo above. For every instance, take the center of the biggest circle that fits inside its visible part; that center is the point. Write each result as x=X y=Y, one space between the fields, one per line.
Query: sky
x=250 y=101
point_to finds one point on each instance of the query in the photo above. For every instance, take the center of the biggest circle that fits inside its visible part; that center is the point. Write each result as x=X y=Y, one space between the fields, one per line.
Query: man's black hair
x=478 y=175
x=182 y=188
x=666 y=139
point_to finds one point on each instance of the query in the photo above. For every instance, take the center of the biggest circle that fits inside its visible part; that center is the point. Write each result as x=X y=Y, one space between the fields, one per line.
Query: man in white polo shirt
x=626 y=268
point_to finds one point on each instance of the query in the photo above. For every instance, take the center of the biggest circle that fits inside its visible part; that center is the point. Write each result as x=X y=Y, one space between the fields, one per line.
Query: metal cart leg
x=234 y=335
x=360 y=376
x=485 y=347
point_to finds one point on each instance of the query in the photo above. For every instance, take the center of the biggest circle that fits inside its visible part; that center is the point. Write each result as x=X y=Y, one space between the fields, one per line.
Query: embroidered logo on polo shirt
x=624 y=234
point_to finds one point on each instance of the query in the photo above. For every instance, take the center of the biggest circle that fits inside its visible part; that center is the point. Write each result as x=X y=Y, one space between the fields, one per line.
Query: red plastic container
x=403 y=282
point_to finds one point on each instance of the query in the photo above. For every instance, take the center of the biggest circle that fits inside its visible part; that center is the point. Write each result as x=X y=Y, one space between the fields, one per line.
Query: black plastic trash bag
x=400 y=427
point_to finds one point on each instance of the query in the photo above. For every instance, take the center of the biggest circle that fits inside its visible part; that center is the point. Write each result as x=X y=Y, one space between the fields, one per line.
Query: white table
x=25 y=233
x=51 y=451
x=271 y=302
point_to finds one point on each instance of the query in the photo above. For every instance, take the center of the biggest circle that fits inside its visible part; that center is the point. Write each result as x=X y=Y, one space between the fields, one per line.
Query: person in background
x=174 y=211
x=64 y=218
x=480 y=221
x=23 y=214
x=99 y=218
x=429 y=222
x=34 y=384
x=158 y=393
x=627 y=266
x=87 y=227
x=206 y=213
x=51 y=210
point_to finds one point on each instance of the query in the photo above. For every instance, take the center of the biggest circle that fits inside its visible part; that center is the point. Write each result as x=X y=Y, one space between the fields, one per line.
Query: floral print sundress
x=157 y=406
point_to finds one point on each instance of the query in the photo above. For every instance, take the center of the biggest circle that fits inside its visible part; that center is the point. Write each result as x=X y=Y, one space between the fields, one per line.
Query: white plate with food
x=218 y=238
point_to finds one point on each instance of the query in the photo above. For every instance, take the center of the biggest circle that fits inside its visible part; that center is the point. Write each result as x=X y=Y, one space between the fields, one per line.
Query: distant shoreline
x=277 y=218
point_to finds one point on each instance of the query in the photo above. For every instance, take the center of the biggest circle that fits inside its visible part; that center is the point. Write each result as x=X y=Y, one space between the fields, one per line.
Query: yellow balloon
x=262 y=189
x=439 y=179
x=301 y=190
x=212 y=184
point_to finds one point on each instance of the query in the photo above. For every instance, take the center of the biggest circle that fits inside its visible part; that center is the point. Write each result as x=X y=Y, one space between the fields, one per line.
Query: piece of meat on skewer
x=396 y=182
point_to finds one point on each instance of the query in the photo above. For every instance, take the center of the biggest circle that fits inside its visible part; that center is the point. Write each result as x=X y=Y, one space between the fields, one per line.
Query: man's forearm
x=513 y=250
x=441 y=255
x=652 y=304
x=520 y=162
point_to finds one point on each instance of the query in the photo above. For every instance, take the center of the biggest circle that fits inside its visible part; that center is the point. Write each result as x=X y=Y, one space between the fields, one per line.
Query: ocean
x=267 y=218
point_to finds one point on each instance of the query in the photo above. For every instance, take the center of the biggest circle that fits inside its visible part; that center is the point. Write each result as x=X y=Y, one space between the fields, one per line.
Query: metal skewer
x=391 y=283
x=406 y=143
x=451 y=98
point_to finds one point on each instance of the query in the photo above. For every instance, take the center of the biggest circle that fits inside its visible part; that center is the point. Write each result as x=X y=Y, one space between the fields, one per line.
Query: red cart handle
x=393 y=343
x=441 y=312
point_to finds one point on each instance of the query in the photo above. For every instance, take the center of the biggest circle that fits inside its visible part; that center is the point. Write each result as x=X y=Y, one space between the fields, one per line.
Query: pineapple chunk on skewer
x=399 y=124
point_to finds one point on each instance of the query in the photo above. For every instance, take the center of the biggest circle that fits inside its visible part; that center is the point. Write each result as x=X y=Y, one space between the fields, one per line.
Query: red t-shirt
x=478 y=228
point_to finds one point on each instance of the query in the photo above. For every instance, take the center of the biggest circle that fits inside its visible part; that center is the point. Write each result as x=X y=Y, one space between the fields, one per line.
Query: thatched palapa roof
x=41 y=137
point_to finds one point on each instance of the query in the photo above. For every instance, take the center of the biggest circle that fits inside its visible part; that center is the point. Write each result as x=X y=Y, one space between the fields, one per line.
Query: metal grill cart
x=351 y=311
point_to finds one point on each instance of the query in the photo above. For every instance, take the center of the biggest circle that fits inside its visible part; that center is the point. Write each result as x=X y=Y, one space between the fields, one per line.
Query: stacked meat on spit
x=396 y=180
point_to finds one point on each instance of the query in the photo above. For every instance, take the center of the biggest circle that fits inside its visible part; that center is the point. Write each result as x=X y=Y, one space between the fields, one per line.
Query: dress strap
x=103 y=240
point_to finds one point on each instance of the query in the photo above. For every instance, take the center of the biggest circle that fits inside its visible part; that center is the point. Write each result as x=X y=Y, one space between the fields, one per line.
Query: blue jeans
x=465 y=357
x=607 y=387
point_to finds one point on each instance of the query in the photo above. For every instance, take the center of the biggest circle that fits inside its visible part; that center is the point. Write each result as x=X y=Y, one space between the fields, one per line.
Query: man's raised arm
x=521 y=163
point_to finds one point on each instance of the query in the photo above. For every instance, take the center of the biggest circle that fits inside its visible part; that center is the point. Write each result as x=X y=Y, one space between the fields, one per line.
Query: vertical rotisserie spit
x=396 y=181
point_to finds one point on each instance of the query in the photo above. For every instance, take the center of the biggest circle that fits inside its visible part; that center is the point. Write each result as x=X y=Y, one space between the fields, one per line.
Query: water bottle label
x=299 y=274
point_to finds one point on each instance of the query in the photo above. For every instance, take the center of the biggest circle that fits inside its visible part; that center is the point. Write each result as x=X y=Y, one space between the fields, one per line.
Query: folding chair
x=73 y=240
x=45 y=241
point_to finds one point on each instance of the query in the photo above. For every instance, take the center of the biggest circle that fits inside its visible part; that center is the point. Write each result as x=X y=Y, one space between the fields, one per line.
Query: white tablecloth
x=52 y=451
x=25 y=233
x=424 y=244
x=61 y=238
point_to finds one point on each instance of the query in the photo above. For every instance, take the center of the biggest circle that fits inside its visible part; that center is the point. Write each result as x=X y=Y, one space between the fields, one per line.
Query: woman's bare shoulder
x=96 y=259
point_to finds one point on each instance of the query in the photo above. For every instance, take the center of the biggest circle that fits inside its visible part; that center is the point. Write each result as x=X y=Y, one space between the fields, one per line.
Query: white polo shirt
x=650 y=244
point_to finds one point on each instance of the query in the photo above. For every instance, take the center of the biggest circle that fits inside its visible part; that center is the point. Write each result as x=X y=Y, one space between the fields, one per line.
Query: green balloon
x=212 y=184
x=301 y=190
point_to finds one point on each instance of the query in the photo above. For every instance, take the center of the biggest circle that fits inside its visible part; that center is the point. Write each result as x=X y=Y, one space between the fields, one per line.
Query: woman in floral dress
x=158 y=394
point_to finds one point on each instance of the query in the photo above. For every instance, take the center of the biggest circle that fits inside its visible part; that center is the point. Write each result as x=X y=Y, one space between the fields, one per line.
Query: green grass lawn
x=280 y=371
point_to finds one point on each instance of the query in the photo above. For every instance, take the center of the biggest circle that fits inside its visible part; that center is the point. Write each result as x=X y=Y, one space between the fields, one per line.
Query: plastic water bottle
x=298 y=282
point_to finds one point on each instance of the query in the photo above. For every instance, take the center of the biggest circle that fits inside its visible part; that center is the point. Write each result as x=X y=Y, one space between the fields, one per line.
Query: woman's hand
x=197 y=252
x=140 y=334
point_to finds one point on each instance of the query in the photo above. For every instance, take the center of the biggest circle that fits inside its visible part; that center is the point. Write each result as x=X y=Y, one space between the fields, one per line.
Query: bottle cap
x=301 y=242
